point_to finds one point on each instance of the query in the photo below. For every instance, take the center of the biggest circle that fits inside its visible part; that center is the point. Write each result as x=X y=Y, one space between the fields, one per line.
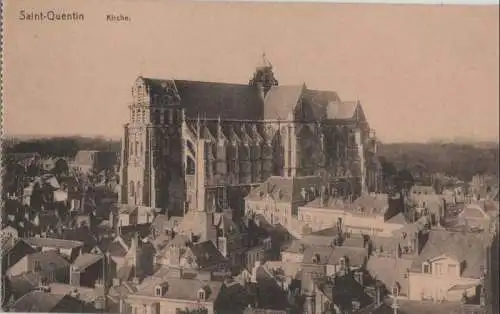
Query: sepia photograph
x=203 y=157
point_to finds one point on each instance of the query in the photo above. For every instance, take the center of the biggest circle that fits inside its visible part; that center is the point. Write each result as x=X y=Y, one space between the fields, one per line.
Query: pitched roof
x=80 y=234
x=213 y=100
x=49 y=259
x=180 y=289
x=85 y=260
x=375 y=204
x=317 y=103
x=84 y=293
x=463 y=246
x=399 y=218
x=345 y=290
x=24 y=283
x=37 y=301
x=52 y=242
x=114 y=248
x=346 y=110
x=390 y=270
x=280 y=101
x=206 y=254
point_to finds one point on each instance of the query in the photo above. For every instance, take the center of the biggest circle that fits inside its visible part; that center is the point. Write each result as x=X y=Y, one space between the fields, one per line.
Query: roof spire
x=198 y=126
x=265 y=61
x=219 y=127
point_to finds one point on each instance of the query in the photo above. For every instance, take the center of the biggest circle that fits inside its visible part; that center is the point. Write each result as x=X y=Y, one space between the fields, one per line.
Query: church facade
x=188 y=143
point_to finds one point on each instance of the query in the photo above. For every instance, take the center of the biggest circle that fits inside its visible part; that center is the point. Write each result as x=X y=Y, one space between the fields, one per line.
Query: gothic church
x=190 y=143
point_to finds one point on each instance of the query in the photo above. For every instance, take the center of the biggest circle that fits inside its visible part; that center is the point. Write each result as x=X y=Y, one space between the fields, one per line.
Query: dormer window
x=426 y=268
x=160 y=290
x=342 y=262
x=201 y=294
x=316 y=259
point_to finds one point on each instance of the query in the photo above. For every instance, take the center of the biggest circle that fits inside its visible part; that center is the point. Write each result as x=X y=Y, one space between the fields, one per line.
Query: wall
x=292 y=257
x=19 y=268
x=437 y=286
x=154 y=305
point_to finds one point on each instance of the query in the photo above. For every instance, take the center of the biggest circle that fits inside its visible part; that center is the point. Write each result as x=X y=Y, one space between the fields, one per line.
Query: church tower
x=151 y=147
x=263 y=78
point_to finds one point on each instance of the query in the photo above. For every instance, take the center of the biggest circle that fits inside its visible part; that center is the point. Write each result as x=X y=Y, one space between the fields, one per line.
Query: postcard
x=175 y=157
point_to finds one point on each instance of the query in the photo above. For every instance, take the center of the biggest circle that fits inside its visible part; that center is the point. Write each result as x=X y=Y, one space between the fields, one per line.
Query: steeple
x=263 y=78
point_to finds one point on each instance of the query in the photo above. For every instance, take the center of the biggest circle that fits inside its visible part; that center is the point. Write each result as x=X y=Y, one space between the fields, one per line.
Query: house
x=322 y=261
x=164 y=225
x=87 y=161
x=13 y=249
x=49 y=266
x=450 y=265
x=130 y=253
x=203 y=256
x=278 y=198
x=91 y=300
x=293 y=252
x=339 y=294
x=45 y=302
x=371 y=214
x=81 y=234
x=170 y=295
x=425 y=200
x=69 y=249
x=86 y=269
x=130 y=215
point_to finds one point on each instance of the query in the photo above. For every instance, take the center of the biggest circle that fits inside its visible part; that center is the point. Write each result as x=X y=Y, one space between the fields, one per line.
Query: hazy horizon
x=421 y=72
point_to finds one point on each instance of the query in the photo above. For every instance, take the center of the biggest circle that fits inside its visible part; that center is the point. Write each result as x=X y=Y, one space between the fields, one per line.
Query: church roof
x=228 y=101
x=213 y=100
x=280 y=101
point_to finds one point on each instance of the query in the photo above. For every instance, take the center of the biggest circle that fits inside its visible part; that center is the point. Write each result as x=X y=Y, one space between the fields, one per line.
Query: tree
x=60 y=168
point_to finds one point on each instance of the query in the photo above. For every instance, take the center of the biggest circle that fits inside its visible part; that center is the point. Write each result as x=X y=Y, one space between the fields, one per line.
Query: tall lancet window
x=139 y=115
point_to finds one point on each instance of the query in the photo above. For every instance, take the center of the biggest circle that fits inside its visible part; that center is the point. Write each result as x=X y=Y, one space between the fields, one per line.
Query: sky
x=421 y=72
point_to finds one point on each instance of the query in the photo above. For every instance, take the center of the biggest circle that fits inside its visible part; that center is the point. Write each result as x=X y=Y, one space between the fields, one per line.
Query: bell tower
x=263 y=78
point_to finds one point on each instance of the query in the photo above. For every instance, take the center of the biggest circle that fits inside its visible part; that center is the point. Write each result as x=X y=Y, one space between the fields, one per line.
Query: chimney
x=74 y=276
x=378 y=294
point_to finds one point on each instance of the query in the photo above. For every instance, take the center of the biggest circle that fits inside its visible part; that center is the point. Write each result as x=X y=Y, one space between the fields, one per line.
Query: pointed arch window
x=131 y=187
x=139 y=187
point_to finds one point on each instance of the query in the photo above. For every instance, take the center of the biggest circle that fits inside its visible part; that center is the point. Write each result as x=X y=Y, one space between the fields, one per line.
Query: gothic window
x=133 y=115
x=166 y=117
x=131 y=187
x=139 y=186
x=139 y=115
x=157 y=117
x=190 y=167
